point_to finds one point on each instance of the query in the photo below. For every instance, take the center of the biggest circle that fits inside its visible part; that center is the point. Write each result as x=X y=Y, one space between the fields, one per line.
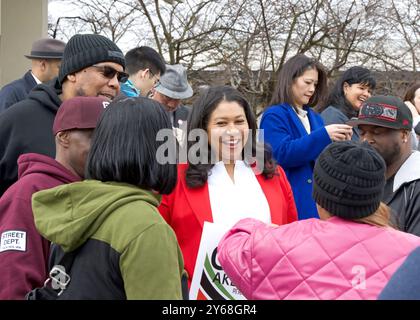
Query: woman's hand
x=339 y=132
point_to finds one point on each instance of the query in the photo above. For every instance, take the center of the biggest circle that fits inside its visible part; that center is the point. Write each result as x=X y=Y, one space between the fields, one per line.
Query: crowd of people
x=321 y=200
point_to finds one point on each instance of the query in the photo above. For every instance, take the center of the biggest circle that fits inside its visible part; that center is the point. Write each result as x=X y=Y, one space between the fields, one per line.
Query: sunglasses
x=109 y=73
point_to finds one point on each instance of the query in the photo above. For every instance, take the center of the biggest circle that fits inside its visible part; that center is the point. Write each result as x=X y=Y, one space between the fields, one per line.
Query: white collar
x=219 y=167
x=36 y=79
x=232 y=201
x=300 y=112
x=409 y=171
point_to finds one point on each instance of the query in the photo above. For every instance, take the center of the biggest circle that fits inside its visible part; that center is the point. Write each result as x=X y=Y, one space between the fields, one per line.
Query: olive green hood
x=70 y=214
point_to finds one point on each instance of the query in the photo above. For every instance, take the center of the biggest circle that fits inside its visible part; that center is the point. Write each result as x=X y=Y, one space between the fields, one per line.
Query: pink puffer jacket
x=313 y=259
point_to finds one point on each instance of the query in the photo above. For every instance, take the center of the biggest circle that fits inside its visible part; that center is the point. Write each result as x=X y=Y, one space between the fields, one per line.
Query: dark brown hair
x=337 y=97
x=292 y=69
x=409 y=95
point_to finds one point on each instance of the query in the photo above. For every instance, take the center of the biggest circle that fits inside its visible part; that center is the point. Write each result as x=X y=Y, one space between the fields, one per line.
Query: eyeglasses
x=109 y=73
x=157 y=80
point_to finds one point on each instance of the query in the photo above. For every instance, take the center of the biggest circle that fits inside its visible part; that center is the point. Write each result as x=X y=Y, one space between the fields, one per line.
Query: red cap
x=79 y=113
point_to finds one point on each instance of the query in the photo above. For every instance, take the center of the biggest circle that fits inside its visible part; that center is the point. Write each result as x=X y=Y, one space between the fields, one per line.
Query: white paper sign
x=209 y=281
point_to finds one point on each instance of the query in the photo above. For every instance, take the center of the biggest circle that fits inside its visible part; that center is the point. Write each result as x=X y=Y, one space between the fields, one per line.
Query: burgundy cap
x=79 y=113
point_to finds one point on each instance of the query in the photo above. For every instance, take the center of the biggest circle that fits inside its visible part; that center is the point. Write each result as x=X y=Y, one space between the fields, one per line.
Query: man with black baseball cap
x=92 y=66
x=45 y=59
x=386 y=123
x=23 y=251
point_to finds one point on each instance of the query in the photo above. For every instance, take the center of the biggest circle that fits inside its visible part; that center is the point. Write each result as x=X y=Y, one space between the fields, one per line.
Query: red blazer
x=185 y=210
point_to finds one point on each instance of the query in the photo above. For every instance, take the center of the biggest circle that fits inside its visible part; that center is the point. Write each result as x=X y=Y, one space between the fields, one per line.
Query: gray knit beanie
x=84 y=50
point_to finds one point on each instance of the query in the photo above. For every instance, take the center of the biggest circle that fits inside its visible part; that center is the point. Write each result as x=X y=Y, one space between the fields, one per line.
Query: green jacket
x=125 y=248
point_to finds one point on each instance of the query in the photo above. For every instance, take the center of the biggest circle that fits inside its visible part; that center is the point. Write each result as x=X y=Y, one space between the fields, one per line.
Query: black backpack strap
x=184 y=286
x=57 y=281
x=60 y=273
x=67 y=260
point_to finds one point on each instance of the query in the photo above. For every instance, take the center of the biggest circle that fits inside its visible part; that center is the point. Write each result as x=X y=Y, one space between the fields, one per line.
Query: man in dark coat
x=171 y=89
x=45 y=59
x=386 y=123
x=92 y=65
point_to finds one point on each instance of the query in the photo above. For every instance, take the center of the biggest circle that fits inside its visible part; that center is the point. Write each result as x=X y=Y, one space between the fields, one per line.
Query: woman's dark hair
x=410 y=94
x=337 y=98
x=206 y=103
x=125 y=145
x=292 y=69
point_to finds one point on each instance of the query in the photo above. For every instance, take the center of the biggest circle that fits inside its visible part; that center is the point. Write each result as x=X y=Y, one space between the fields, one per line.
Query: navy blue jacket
x=16 y=91
x=296 y=150
x=405 y=282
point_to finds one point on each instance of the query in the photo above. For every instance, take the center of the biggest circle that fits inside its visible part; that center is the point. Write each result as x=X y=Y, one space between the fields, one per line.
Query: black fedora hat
x=46 y=48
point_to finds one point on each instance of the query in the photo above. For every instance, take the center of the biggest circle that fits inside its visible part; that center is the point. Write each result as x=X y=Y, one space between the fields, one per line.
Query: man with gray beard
x=385 y=122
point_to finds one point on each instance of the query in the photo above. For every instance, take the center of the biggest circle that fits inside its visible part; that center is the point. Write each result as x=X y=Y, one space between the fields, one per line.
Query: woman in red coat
x=221 y=181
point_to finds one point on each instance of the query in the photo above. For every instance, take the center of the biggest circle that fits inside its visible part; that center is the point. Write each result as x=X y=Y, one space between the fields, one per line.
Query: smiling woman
x=353 y=87
x=227 y=132
x=221 y=185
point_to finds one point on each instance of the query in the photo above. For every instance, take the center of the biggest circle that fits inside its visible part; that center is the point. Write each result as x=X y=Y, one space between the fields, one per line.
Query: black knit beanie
x=349 y=178
x=84 y=50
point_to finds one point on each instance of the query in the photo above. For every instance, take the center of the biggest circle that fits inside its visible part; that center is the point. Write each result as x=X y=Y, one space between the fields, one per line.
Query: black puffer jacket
x=27 y=127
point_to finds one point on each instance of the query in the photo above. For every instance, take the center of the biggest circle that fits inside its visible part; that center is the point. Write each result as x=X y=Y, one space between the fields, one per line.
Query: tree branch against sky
x=249 y=39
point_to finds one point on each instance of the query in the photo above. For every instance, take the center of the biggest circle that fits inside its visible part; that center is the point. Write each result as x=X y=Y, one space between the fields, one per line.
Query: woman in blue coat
x=296 y=133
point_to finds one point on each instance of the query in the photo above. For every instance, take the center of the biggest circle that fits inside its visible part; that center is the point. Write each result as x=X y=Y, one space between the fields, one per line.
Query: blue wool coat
x=295 y=150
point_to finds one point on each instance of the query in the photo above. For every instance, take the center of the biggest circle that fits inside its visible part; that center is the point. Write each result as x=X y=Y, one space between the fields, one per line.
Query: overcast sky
x=59 y=8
